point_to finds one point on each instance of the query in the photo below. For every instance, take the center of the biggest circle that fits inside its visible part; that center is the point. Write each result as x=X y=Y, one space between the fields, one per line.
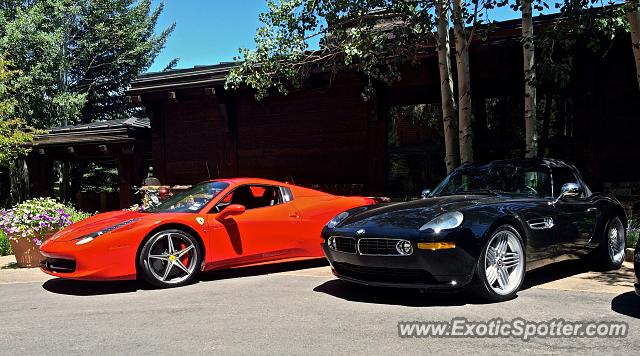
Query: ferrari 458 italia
x=483 y=226
x=215 y=224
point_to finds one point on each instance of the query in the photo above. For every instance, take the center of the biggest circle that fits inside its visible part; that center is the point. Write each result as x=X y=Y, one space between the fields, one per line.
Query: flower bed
x=30 y=223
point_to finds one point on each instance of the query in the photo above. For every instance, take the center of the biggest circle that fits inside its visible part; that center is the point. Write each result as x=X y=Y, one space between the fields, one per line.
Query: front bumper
x=95 y=261
x=423 y=269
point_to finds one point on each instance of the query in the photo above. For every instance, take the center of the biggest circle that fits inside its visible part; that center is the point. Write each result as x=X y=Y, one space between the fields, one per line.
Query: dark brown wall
x=191 y=140
x=313 y=136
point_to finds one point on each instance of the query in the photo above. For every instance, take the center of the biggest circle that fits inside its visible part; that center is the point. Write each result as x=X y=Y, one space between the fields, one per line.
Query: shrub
x=5 y=246
x=633 y=232
x=38 y=218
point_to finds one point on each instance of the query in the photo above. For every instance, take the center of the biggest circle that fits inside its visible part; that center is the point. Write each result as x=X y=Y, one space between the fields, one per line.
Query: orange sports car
x=215 y=224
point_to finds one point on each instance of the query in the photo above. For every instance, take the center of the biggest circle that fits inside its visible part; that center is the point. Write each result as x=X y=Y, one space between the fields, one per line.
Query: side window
x=561 y=176
x=538 y=181
x=252 y=197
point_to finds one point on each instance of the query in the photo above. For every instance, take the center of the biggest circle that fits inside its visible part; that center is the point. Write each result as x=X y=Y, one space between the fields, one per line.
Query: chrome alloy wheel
x=616 y=241
x=172 y=258
x=504 y=267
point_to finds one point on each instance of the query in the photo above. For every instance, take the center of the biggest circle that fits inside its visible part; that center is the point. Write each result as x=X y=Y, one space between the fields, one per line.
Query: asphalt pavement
x=295 y=308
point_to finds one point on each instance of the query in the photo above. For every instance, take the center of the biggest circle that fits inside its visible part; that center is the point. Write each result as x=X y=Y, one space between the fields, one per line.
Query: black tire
x=150 y=268
x=480 y=284
x=602 y=258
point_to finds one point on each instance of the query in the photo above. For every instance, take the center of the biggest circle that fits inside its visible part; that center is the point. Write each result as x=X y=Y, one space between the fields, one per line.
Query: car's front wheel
x=500 y=268
x=170 y=258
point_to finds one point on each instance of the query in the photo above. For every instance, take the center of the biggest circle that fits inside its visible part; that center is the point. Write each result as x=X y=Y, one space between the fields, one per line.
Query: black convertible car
x=483 y=226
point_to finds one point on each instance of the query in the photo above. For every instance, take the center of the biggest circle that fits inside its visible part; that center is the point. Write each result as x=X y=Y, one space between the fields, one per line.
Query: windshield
x=497 y=178
x=191 y=200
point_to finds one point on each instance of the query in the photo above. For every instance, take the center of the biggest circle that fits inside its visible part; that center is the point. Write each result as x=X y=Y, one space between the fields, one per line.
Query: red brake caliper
x=185 y=258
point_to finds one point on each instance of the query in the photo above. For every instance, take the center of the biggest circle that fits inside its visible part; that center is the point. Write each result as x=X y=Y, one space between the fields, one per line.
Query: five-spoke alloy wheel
x=501 y=267
x=170 y=258
x=610 y=253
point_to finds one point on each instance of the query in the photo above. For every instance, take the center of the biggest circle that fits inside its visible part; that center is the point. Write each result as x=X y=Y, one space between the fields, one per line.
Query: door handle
x=591 y=210
x=294 y=215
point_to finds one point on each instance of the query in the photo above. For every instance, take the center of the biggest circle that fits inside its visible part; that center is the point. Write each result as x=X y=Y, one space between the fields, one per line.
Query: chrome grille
x=345 y=244
x=378 y=247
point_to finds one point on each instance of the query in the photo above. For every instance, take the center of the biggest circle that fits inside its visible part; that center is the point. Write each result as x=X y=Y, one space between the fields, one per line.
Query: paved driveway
x=297 y=308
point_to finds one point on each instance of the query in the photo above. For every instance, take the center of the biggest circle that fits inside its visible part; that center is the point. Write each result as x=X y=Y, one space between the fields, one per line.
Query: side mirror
x=231 y=210
x=425 y=193
x=568 y=190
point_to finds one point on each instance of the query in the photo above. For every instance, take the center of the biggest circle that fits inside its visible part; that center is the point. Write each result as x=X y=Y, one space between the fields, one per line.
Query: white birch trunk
x=531 y=124
x=465 y=113
x=452 y=152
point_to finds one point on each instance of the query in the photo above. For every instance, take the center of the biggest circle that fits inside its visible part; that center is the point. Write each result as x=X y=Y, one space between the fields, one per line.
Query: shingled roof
x=100 y=132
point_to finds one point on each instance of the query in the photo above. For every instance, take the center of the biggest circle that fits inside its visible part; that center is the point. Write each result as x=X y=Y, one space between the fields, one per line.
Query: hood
x=413 y=214
x=94 y=223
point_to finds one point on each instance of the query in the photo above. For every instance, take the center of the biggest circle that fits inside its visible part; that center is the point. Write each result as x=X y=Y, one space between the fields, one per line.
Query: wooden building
x=324 y=133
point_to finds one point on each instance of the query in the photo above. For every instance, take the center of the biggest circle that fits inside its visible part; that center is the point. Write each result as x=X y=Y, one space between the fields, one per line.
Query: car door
x=577 y=216
x=263 y=232
x=539 y=216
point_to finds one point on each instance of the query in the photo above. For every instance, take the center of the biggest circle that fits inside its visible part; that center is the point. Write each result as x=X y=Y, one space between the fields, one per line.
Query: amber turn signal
x=436 y=245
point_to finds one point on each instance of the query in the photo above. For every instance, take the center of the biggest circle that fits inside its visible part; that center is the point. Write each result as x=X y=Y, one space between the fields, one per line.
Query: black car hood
x=413 y=214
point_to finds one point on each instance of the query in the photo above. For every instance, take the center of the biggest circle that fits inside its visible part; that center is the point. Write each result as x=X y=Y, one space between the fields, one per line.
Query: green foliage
x=32 y=39
x=111 y=43
x=633 y=232
x=14 y=132
x=13 y=135
x=5 y=246
x=77 y=57
x=99 y=178
x=370 y=36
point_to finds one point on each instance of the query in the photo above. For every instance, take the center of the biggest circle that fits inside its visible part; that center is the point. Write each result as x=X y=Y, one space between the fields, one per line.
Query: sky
x=211 y=31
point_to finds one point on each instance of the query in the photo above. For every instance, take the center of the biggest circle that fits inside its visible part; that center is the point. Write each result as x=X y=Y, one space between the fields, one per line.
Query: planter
x=27 y=252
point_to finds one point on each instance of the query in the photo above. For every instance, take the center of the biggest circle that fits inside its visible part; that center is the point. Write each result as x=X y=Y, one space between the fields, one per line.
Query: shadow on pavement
x=627 y=304
x=87 y=288
x=261 y=269
x=396 y=296
x=553 y=272
x=84 y=288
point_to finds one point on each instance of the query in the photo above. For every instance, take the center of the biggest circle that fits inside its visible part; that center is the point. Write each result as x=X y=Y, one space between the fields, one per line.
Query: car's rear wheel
x=610 y=254
x=170 y=258
x=500 y=268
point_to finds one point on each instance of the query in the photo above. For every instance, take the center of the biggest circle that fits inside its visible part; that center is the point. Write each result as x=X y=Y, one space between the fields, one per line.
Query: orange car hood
x=95 y=223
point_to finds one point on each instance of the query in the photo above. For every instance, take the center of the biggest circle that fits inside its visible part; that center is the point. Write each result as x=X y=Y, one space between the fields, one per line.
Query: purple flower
x=37 y=241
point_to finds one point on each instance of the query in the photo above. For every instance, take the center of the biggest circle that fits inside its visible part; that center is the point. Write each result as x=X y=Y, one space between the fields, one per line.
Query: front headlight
x=444 y=222
x=88 y=238
x=337 y=219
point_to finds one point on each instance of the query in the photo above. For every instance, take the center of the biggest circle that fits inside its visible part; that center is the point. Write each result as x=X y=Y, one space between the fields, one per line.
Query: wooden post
x=125 y=163
x=40 y=175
